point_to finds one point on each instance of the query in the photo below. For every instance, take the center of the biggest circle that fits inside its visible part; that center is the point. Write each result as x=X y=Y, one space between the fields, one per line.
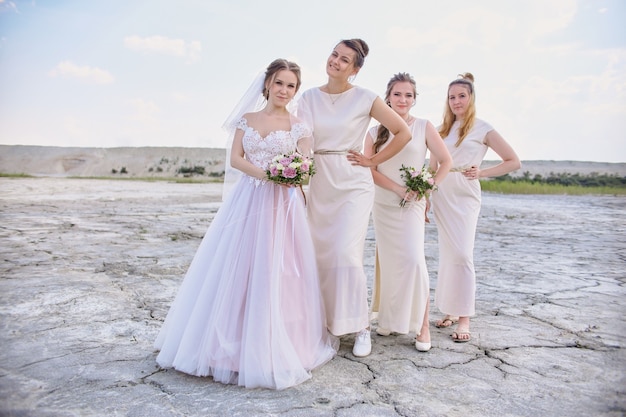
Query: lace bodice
x=260 y=150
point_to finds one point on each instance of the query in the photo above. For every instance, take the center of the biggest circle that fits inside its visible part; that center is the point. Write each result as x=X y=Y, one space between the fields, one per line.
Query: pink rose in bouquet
x=292 y=169
x=421 y=181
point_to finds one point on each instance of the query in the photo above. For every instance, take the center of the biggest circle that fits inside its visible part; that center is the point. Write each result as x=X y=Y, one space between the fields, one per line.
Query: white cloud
x=85 y=73
x=8 y=6
x=551 y=16
x=164 y=45
x=479 y=30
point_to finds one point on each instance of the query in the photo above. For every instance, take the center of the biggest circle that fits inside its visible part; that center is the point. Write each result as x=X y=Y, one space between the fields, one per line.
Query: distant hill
x=104 y=162
x=170 y=161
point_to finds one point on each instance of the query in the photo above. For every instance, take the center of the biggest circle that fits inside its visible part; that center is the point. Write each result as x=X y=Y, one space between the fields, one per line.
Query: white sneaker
x=362 y=344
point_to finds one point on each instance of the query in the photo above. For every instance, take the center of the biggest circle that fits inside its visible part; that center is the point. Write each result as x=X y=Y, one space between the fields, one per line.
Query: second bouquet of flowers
x=420 y=181
x=292 y=169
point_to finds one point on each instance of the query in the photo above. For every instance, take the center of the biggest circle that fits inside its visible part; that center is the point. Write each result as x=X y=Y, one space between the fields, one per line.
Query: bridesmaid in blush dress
x=456 y=205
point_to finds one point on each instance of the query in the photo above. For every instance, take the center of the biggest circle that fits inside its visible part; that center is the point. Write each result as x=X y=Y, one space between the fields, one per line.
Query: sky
x=550 y=76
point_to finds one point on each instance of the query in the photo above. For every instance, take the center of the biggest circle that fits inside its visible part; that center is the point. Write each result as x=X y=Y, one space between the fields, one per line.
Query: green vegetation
x=564 y=183
x=3 y=175
x=197 y=169
x=570 y=184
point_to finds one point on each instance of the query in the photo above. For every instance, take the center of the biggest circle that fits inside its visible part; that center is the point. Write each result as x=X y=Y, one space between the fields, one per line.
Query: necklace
x=334 y=97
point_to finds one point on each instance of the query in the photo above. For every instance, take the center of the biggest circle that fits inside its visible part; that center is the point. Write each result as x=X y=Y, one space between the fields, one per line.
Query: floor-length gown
x=401 y=282
x=249 y=310
x=340 y=202
x=456 y=206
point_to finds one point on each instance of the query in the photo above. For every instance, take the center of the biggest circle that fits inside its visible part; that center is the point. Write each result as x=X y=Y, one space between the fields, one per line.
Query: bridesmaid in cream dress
x=342 y=193
x=456 y=205
x=401 y=295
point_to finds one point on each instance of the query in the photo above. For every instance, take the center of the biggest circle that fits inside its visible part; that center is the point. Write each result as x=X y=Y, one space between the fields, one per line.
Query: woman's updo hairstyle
x=360 y=47
x=464 y=79
x=274 y=68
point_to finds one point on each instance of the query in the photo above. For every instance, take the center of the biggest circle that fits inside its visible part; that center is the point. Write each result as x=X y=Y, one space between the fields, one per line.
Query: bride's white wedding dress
x=249 y=310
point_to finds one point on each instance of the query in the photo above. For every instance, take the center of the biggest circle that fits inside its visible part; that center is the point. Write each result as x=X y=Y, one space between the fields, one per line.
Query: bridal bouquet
x=417 y=180
x=291 y=169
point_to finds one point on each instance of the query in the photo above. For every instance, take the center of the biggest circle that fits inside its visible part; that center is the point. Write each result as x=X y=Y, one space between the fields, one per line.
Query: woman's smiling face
x=341 y=62
x=402 y=97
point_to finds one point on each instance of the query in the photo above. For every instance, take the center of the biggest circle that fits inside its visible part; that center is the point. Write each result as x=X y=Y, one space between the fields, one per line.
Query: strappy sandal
x=456 y=336
x=446 y=322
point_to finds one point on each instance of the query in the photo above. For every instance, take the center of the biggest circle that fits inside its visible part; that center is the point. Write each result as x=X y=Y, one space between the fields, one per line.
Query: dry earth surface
x=90 y=267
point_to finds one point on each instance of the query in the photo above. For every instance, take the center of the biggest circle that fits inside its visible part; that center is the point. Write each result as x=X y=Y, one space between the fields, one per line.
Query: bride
x=249 y=310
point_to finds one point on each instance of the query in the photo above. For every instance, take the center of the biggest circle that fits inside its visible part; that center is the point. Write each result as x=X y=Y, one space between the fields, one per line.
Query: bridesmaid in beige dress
x=341 y=192
x=456 y=205
x=401 y=293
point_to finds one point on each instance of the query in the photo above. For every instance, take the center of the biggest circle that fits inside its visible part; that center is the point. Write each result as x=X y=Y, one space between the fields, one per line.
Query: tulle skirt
x=249 y=310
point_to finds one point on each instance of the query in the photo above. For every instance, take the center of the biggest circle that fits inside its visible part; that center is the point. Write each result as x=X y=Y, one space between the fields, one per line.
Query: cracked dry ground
x=90 y=267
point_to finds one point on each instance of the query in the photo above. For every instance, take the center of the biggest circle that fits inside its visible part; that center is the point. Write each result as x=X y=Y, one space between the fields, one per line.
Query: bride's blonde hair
x=467 y=81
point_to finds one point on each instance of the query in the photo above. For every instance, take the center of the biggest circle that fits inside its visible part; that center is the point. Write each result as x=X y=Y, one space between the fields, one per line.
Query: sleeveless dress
x=456 y=206
x=401 y=282
x=340 y=202
x=249 y=310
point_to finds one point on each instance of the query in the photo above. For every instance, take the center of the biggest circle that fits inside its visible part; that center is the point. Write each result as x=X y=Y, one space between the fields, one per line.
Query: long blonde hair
x=466 y=80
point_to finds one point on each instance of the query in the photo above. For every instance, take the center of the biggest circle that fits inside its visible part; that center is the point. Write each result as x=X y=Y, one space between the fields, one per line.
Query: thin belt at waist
x=331 y=152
